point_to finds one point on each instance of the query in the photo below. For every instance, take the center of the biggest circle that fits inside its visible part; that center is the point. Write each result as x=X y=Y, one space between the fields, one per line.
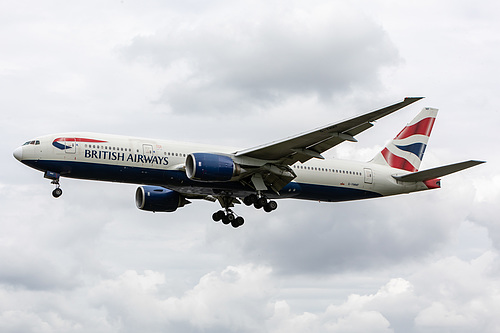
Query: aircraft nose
x=18 y=153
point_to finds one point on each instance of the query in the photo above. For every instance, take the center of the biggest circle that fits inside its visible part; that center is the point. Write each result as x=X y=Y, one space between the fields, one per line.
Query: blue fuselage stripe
x=177 y=180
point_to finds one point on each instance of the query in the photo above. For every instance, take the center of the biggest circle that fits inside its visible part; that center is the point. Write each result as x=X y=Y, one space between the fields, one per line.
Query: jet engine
x=211 y=167
x=158 y=199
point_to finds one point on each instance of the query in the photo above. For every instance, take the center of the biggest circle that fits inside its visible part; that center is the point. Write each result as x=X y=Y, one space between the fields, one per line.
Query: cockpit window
x=33 y=142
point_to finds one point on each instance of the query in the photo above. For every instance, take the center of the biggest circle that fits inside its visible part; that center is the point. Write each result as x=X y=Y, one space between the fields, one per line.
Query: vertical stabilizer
x=407 y=149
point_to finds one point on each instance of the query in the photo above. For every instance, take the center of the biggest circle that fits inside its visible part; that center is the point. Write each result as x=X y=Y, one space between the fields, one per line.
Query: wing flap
x=433 y=173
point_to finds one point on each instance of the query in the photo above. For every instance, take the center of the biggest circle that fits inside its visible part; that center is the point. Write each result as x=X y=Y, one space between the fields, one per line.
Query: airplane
x=173 y=173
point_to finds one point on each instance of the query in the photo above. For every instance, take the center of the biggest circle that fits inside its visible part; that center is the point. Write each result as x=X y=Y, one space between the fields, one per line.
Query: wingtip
x=413 y=98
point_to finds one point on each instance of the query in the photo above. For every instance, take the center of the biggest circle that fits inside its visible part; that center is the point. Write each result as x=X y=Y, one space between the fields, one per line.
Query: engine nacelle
x=158 y=199
x=211 y=167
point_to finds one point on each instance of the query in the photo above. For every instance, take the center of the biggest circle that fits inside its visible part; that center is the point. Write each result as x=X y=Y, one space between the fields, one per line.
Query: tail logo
x=407 y=149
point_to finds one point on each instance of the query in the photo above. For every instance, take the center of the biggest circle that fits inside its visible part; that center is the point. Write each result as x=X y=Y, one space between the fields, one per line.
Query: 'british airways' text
x=118 y=156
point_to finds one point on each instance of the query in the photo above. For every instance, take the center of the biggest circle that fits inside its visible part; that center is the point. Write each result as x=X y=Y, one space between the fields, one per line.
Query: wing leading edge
x=312 y=144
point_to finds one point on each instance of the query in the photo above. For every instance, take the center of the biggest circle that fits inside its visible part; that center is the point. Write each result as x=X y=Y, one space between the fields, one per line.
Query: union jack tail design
x=407 y=149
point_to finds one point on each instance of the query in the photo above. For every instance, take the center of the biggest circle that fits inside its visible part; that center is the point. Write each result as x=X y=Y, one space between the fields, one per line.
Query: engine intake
x=158 y=199
x=211 y=167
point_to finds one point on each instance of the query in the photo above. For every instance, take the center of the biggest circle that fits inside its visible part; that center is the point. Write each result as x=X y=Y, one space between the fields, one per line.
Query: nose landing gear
x=55 y=180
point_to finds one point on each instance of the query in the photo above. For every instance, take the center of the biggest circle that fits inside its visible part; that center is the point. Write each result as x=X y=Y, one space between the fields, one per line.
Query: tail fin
x=407 y=149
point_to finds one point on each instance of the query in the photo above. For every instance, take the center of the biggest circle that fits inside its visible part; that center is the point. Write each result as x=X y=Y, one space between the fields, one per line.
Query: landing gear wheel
x=217 y=216
x=270 y=206
x=230 y=217
x=250 y=199
x=261 y=202
x=57 y=192
x=238 y=222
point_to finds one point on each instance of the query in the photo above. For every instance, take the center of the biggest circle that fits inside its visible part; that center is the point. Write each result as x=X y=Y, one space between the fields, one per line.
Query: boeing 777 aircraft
x=172 y=173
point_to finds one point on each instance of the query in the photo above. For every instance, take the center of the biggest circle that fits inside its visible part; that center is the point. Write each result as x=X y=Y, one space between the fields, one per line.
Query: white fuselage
x=160 y=162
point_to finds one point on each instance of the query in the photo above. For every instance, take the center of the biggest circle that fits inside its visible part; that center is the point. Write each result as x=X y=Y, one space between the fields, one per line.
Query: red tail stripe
x=397 y=162
x=423 y=127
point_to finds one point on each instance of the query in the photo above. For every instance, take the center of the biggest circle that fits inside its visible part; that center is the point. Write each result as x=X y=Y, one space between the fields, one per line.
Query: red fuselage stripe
x=79 y=140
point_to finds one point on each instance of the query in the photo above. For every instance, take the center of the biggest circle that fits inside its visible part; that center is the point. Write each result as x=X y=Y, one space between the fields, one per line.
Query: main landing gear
x=260 y=202
x=227 y=216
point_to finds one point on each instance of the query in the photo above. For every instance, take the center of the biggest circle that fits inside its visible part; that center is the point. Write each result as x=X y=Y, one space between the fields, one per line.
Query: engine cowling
x=158 y=199
x=211 y=167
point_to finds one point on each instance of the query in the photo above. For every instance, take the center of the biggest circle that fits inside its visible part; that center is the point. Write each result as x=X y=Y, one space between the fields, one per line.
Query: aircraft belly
x=177 y=180
x=333 y=193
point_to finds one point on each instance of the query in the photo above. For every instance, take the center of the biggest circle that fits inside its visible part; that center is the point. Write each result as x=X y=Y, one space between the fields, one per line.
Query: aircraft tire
x=262 y=201
x=238 y=222
x=217 y=216
x=250 y=199
x=57 y=192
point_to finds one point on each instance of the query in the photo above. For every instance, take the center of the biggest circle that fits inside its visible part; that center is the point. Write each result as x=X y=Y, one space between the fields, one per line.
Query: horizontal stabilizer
x=433 y=173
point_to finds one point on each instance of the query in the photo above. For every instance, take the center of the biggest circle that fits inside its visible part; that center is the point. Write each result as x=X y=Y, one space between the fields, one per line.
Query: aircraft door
x=368 y=176
x=147 y=149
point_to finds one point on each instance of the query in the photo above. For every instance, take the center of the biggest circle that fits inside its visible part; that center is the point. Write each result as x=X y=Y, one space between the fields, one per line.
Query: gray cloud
x=334 y=238
x=243 y=60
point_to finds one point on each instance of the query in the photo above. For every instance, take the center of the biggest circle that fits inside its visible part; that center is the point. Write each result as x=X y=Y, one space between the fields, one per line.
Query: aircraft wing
x=311 y=144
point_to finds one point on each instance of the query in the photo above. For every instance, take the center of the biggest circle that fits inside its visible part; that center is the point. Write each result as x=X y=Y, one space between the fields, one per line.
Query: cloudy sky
x=243 y=74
